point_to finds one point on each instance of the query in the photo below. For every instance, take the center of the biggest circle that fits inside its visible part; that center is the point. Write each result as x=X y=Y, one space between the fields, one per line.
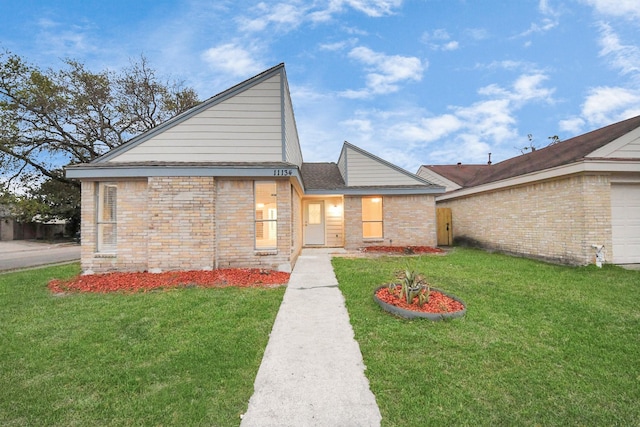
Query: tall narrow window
x=266 y=219
x=372 y=217
x=106 y=218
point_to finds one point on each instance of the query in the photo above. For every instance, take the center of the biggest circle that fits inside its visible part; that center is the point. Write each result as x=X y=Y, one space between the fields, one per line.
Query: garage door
x=625 y=223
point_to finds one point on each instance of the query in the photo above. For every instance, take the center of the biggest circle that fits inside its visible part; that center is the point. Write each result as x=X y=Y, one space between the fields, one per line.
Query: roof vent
x=489 y=162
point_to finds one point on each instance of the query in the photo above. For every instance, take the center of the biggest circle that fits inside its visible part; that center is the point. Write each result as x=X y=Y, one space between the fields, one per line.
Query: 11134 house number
x=282 y=172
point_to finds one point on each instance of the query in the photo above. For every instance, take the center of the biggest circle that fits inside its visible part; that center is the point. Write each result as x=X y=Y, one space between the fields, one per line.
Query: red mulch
x=142 y=282
x=438 y=302
x=406 y=250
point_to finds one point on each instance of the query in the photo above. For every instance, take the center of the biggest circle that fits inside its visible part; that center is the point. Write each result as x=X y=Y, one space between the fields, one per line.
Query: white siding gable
x=365 y=169
x=293 y=153
x=246 y=127
x=625 y=147
x=437 y=179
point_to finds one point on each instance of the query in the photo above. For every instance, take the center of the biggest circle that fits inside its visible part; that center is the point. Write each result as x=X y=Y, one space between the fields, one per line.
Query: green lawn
x=184 y=357
x=541 y=344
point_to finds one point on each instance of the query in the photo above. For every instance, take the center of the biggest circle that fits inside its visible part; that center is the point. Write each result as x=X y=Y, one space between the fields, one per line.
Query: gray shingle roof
x=322 y=176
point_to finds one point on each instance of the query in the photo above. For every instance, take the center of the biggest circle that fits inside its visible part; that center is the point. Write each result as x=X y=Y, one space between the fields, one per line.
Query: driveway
x=18 y=254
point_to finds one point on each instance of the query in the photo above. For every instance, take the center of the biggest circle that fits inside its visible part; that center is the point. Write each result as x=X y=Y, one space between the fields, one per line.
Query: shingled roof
x=563 y=153
x=460 y=174
x=322 y=176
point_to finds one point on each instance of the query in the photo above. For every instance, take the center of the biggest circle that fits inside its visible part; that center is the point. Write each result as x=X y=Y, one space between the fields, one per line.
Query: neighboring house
x=224 y=185
x=554 y=203
x=6 y=223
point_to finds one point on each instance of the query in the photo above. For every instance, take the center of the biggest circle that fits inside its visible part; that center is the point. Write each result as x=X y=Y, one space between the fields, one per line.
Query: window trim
x=380 y=221
x=100 y=221
x=273 y=222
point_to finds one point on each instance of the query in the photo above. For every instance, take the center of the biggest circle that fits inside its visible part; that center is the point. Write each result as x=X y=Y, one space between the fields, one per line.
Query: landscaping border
x=409 y=314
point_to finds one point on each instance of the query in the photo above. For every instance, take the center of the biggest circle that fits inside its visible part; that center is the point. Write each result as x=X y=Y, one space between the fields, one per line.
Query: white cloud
x=477 y=33
x=373 y=8
x=232 y=59
x=286 y=15
x=439 y=39
x=510 y=65
x=464 y=133
x=337 y=46
x=428 y=129
x=573 y=125
x=385 y=72
x=624 y=57
x=64 y=40
x=281 y=15
x=629 y=9
x=605 y=105
x=549 y=21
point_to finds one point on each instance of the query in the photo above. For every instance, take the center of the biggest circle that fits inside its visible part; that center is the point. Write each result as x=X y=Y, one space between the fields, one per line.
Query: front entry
x=314 y=222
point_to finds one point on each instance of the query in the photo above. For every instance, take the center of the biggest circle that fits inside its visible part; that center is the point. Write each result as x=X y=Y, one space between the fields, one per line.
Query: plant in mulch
x=144 y=281
x=403 y=250
x=412 y=292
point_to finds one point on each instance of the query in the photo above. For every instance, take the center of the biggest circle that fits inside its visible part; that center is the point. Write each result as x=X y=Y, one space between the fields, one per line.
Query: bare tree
x=53 y=118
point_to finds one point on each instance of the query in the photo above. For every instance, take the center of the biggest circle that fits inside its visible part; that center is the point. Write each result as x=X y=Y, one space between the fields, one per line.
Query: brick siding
x=183 y=223
x=407 y=221
x=556 y=220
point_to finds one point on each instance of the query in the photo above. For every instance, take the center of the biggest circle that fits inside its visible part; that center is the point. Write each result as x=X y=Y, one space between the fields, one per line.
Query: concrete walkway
x=312 y=372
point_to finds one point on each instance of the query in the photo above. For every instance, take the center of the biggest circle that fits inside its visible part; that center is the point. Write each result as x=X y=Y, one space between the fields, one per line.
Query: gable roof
x=570 y=151
x=251 y=121
x=360 y=172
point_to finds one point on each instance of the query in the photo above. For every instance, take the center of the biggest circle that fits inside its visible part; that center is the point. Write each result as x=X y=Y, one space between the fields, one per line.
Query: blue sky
x=414 y=81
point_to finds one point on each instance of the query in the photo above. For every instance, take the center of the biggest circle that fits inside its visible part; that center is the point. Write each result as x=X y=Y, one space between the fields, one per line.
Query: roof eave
x=582 y=166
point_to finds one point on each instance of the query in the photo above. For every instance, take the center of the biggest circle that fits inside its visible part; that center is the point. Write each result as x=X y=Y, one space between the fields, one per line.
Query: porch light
x=259 y=205
x=376 y=200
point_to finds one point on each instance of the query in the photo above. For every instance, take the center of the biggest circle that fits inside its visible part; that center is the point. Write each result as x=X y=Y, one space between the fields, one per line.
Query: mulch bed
x=403 y=250
x=142 y=282
x=438 y=302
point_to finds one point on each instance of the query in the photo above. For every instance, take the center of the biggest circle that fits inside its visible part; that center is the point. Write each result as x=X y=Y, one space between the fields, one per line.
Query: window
x=372 y=217
x=106 y=218
x=266 y=218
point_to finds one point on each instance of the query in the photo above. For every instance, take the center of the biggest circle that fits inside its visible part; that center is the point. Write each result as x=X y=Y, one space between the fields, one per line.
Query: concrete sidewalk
x=312 y=372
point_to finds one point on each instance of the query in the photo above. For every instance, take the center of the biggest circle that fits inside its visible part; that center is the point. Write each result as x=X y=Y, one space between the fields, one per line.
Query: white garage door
x=625 y=223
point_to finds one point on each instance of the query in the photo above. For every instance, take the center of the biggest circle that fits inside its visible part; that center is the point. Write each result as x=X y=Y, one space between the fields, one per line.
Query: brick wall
x=184 y=223
x=235 y=224
x=556 y=220
x=407 y=221
x=181 y=216
x=131 y=254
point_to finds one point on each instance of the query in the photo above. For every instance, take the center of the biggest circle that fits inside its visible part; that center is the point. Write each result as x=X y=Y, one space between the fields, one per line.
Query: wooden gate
x=445 y=226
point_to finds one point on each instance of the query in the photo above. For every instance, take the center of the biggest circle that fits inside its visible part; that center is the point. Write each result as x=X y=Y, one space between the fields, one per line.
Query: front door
x=314 y=222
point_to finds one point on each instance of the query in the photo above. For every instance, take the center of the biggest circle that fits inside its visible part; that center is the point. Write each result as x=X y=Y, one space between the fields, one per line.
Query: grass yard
x=541 y=344
x=183 y=357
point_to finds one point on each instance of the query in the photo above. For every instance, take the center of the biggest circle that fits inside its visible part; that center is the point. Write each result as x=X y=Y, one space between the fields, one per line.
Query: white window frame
x=103 y=223
x=269 y=222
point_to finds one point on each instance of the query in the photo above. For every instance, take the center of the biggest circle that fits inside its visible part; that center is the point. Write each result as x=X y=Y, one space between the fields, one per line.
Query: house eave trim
x=586 y=165
x=376 y=192
x=155 y=171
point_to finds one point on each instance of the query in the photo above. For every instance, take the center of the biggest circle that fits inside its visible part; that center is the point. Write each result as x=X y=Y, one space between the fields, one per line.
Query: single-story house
x=559 y=203
x=224 y=185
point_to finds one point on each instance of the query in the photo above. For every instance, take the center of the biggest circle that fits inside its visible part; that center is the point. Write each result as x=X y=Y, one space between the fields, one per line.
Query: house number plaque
x=282 y=172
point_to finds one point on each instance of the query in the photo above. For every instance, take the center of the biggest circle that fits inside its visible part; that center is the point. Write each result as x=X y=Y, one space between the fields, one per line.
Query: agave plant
x=414 y=285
